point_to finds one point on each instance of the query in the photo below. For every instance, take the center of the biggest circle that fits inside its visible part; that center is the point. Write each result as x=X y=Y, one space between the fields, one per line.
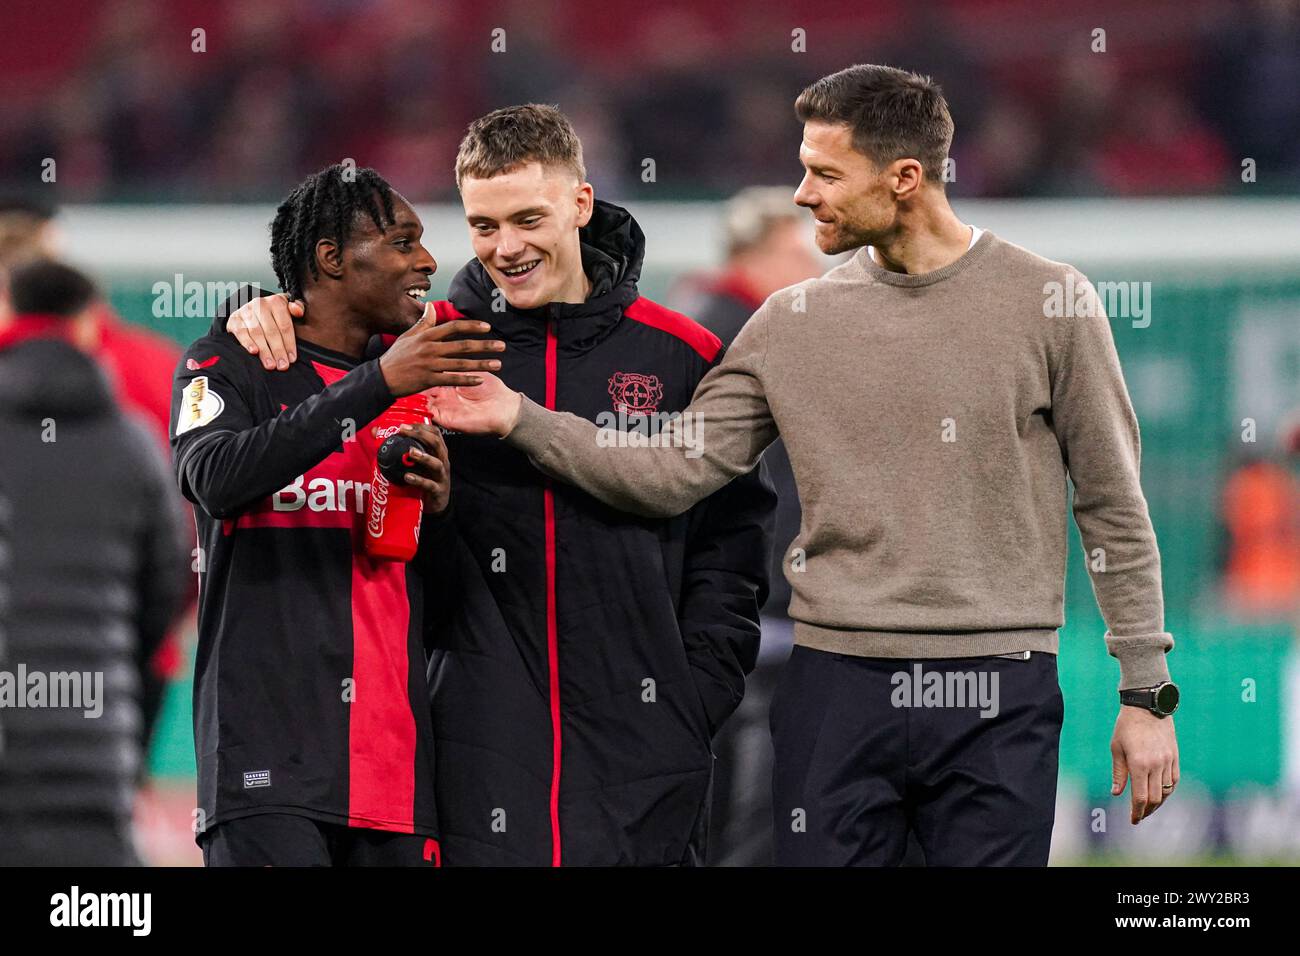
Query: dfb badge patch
x=199 y=405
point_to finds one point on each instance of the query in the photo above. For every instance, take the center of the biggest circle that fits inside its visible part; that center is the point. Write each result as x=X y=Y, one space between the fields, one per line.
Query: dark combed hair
x=46 y=287
x=893 y=114
x=515 y=135
x=324 y=206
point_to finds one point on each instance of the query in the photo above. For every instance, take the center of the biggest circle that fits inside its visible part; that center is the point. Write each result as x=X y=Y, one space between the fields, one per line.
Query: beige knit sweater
x=931 y=421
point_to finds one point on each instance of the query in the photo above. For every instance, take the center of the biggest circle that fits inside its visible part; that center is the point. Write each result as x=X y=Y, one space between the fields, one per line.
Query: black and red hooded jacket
x=585 y=657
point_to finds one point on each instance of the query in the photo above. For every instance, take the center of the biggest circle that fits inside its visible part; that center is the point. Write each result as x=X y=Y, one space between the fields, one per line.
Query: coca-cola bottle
x=393 y=523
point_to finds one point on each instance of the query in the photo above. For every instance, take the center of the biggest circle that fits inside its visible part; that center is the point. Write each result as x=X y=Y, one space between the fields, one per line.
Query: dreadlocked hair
x=324 y=206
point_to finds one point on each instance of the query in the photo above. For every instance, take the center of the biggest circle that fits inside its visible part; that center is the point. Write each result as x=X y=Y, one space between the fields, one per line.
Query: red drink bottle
x=393 y=523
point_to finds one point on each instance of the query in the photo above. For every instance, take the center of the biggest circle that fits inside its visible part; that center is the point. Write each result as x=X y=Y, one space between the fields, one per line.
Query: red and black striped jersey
x=309 y=686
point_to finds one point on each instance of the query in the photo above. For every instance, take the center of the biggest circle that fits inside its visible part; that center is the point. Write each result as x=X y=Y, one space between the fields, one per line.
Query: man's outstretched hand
x=489 y=408
x=264 y=327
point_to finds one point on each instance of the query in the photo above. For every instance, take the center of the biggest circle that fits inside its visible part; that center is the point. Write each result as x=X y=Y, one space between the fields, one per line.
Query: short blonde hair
x=507 y=138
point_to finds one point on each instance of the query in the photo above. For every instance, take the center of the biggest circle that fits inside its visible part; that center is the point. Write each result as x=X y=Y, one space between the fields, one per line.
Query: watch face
x=1167 y=699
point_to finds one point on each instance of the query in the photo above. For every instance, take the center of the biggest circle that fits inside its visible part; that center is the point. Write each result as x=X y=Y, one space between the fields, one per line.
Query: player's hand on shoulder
x=264 y=327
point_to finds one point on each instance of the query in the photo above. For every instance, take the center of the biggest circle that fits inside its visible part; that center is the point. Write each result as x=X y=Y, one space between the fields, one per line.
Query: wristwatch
x=1161 y=700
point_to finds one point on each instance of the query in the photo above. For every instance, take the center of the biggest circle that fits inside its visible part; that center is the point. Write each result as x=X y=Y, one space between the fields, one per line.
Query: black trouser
x=860 y=760
x=285 y=839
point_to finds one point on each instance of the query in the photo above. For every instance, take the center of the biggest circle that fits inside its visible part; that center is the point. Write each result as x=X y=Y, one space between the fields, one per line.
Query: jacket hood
x=50 y=377
x=613 y=249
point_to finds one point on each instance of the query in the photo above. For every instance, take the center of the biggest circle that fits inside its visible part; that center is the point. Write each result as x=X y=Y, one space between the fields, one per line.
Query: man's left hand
x=1144 y=749
x=432 y=471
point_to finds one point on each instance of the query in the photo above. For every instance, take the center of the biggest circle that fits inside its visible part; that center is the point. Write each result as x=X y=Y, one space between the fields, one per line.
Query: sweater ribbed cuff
x=1141 y=658
x=533 y=429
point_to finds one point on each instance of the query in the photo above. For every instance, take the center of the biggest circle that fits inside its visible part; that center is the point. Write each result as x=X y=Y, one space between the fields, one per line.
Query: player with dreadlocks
x=311 y=724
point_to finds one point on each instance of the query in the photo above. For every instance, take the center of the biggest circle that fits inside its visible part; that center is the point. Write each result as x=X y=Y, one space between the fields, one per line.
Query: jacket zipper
x=552 y=627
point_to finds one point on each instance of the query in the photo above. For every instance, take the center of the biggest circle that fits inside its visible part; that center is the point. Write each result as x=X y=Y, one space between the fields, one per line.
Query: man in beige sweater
x=933 y=402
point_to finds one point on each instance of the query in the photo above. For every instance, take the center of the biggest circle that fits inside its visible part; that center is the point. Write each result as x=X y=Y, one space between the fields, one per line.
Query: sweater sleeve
x=1098 y=435
x=719 y=436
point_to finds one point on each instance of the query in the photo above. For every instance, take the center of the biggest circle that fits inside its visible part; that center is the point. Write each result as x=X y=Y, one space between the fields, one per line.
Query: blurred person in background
x=97 y=574
x=1261 y=513
x=768 y=246
x=27 y=229
x=138 y=364
x=21 y=221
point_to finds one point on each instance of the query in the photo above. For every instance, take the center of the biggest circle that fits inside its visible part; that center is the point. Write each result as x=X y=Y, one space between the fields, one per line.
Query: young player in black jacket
x=311 y=727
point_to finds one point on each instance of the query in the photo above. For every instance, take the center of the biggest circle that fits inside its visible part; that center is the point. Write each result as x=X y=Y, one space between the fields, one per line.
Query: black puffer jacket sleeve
x=729 y=540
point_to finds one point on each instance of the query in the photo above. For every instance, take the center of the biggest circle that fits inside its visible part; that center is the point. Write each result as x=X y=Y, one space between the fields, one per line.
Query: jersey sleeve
x=225 y=457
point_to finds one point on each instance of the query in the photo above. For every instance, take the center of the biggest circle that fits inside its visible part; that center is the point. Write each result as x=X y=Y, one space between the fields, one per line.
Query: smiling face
x=386 y=271
x=523 y=224
x=853 y=202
